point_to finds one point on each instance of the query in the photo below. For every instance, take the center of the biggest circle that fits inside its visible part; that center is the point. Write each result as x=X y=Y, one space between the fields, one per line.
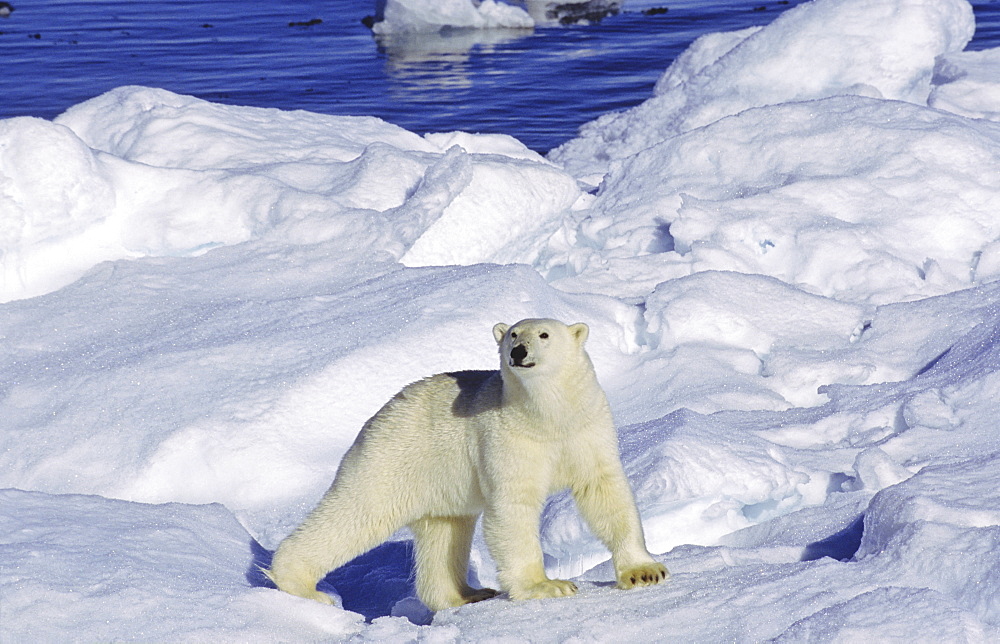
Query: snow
x=788 y=259
x=780 y=192
x=156 y=573
x=816 y=50
x=965 y=84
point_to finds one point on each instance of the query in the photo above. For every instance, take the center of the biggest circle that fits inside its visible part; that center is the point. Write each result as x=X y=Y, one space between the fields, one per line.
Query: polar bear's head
x=539 y=345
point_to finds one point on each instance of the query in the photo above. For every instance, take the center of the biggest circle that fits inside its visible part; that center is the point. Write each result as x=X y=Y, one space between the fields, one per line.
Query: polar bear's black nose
x=518 y=354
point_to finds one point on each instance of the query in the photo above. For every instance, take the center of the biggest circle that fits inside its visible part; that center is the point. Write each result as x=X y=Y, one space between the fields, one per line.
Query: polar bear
x=456 y=445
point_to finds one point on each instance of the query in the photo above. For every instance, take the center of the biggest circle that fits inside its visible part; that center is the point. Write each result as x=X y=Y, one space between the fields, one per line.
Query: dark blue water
x=538 y=86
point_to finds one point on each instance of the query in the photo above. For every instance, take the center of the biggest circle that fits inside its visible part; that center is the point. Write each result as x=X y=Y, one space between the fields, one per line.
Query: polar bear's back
x=424 y=439
x=438 y=410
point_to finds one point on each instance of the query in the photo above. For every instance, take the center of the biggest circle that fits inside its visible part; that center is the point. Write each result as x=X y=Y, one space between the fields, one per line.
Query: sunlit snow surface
x=792 y=288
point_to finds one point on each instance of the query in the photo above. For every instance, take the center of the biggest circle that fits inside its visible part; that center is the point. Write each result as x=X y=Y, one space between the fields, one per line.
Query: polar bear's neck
x=562 y=395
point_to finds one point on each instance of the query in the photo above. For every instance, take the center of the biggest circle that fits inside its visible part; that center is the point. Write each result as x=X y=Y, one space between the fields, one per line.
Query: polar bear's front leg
x=511 y=531
x=607 y=504
x=647 y=574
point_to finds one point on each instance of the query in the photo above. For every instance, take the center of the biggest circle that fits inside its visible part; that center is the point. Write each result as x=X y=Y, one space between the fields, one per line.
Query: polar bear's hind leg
x=442 y=561
x=333 y=534
x=299 y=586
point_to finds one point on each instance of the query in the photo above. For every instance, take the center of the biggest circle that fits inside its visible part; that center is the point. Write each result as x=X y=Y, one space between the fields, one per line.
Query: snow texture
x=790 y=269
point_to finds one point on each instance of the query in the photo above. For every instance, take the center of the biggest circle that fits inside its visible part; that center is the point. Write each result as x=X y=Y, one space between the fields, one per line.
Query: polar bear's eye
x=543 y=335
x=513 y=336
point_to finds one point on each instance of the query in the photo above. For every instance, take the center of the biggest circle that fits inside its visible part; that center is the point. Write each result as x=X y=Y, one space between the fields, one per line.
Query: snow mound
x=73 y=561
x=780 y=192
x=884 y=49
x=965 y=83
x=145 y=172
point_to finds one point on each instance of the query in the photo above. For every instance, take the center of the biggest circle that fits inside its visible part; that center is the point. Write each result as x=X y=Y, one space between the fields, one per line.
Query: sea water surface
x=538 y=85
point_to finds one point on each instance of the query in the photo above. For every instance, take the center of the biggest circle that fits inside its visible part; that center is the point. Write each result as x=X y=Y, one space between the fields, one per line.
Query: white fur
x=453 y=446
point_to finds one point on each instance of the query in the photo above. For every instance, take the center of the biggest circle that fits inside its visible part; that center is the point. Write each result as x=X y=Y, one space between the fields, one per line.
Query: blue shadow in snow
x=841 y=546
x=261 y=562
x=370 y=584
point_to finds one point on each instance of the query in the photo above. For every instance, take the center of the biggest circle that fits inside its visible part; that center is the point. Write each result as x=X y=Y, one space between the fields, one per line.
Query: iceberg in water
x=400 y=17
x=407 y=16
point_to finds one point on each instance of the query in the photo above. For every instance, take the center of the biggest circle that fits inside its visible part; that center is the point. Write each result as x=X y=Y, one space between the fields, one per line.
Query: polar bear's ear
x=499 y=330
x=579 y=331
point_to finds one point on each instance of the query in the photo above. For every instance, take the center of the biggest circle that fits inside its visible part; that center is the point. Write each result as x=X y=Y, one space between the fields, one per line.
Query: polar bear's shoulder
x=466 y=392
x=465 y=382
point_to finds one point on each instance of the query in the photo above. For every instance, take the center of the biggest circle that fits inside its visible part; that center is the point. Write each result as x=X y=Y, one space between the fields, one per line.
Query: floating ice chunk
x=502 y=15
x=402 y=16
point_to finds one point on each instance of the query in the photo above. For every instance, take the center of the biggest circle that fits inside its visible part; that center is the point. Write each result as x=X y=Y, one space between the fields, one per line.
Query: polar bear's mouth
x=522 y=365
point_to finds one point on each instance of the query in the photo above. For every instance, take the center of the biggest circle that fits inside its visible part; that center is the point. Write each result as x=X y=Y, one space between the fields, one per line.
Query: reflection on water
x=600 y=53
x=421 y=65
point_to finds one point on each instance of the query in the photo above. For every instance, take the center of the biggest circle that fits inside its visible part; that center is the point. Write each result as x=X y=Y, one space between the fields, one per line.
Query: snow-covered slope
x=792 y=290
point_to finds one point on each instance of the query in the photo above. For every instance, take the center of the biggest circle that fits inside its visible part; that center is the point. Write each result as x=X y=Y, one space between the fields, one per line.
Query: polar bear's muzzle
x=517 y=356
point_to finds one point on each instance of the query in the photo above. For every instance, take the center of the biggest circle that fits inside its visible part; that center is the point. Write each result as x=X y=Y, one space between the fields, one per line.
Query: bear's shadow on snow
x=371 y=584
x=841 y=546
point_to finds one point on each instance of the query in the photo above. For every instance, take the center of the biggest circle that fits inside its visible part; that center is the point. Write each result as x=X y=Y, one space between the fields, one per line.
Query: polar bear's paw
x=298 y=586
x=547 y=588
x=648 y=574
x=319 y=596
x=473 y=595
x=312 y=594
